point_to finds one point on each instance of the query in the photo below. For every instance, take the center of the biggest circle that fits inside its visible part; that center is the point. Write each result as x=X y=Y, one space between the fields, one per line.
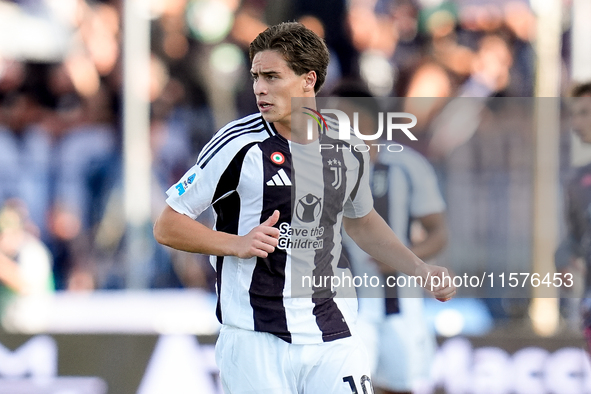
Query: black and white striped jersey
x=246 y=172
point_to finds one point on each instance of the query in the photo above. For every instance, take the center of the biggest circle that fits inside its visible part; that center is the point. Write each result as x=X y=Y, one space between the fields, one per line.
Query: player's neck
x=298 y=134
x=295 y=127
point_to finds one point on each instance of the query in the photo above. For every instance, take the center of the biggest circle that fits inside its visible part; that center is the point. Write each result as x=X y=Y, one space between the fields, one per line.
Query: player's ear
x=309 y=81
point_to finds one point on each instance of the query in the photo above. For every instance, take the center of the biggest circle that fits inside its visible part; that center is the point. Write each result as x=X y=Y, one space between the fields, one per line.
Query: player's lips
x=264 y=106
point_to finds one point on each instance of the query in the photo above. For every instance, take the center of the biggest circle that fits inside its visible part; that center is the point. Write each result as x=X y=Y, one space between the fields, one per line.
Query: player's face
x=274 y=85
x=581 y=118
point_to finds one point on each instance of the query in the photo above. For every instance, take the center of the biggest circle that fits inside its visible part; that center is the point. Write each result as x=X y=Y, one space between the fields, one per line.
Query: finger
x=270 y=231
x=264 y=246
x=270 y=240
x=445 y=294
x=272 y=219
x=259 y=253
x=267 y=234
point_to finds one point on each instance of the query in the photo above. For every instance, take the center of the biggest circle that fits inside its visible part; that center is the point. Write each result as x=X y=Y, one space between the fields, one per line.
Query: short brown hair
x=583 y=89
x=301 y=48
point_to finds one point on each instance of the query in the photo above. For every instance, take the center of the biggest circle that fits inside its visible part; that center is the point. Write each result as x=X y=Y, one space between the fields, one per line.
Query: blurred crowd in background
x=61 y=100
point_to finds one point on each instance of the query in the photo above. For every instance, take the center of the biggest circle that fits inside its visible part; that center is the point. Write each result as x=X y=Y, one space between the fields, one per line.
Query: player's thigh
x=340 y=367
x=253 y=363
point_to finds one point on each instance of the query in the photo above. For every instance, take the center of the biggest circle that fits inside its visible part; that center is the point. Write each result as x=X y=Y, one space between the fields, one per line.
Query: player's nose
x=259 y=87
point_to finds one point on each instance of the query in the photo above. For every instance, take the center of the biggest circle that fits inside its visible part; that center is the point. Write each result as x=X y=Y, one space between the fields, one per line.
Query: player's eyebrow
x=265 y=73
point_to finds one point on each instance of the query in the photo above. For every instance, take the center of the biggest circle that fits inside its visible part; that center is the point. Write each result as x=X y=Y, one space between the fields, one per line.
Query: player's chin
x=270 y=116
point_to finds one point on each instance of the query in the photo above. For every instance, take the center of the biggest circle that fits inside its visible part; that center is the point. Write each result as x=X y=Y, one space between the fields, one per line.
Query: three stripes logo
x=279 y=179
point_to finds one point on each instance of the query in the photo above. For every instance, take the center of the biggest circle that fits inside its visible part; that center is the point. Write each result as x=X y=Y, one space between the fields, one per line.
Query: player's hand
x=437 y=281
x=261 y=240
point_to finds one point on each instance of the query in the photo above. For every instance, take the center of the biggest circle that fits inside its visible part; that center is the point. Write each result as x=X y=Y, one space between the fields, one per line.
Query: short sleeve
x=200 y=185
x=193 y=193
x=360 y=201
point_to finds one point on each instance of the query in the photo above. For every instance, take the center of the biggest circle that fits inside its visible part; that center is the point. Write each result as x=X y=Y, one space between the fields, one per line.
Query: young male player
x=279 y=203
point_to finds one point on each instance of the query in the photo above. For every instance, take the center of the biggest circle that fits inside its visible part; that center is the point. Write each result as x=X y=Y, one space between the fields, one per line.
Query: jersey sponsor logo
x=336 y=167
x=300 y=237
x=279 y=179
x=308 y=208
x=184 y=185
x=277 y=158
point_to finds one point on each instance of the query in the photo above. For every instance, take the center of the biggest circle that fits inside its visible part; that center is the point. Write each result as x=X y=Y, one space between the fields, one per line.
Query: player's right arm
x=214 y=177
x=180 y=232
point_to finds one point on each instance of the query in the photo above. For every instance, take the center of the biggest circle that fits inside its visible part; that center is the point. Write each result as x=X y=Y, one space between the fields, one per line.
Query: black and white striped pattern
x=241 y=172
x=253 y=124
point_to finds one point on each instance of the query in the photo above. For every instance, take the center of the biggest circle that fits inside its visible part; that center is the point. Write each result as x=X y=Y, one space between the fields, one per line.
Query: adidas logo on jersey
x=279 y=179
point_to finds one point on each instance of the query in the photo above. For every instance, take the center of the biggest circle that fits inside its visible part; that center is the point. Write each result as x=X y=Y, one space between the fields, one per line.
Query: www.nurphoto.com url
x=492 y=280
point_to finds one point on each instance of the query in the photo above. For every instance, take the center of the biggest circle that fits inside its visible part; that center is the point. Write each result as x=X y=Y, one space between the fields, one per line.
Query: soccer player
x=577 y=243
x=279 y=203
x=401 y=345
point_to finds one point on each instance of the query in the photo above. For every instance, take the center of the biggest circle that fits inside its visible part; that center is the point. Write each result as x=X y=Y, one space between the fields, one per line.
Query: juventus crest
x=336 y=167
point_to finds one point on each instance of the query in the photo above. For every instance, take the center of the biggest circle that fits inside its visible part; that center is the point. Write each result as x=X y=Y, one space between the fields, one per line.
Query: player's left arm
x=376 y=238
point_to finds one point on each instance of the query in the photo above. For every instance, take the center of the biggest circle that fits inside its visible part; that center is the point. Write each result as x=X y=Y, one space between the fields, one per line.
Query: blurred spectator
x=85 y=157
x=84 y=154
x=490 y=69
x=573 y=256
x=25 y=262
x=332 y=14
x=172 y=138
x=25 y=148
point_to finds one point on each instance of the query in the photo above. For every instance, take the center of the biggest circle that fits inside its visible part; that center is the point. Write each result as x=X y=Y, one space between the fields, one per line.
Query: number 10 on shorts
x=365 y=384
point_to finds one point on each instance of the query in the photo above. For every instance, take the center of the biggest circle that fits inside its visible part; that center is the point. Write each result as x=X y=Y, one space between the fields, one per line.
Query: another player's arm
x=180 y=232
x=436 y=236
x=376 y=238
